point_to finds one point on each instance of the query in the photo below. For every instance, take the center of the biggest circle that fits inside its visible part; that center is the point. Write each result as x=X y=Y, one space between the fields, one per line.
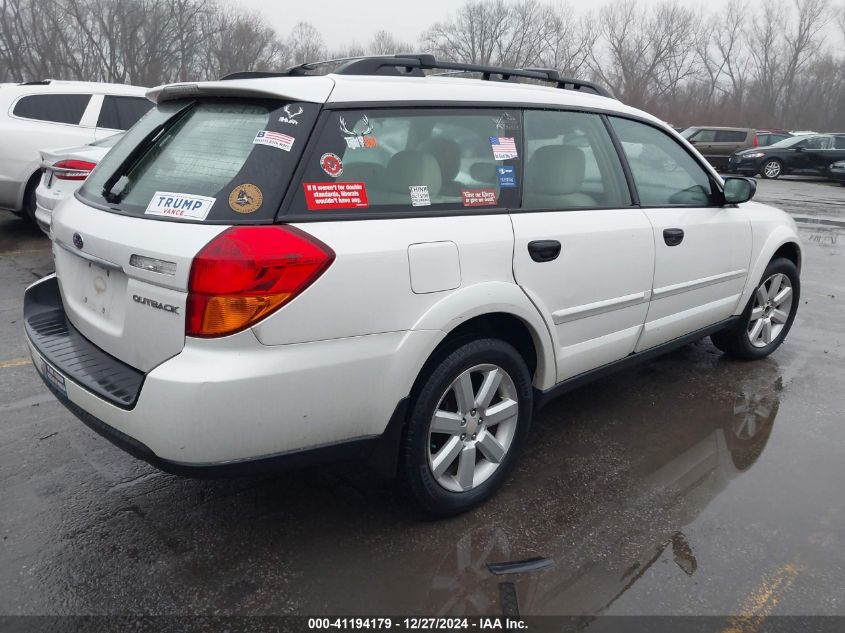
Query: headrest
x=409 y=168
x=447 y=153
x=556 y=170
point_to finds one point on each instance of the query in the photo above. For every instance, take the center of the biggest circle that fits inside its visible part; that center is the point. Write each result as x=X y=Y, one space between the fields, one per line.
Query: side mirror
x=739 y=190
x=799 y=148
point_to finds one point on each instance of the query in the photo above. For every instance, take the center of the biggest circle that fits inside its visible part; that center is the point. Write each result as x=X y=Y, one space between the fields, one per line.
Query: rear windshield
x=221 y=161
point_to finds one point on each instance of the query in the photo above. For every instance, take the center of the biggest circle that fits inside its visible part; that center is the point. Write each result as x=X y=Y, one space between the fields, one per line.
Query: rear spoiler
x=308 y=89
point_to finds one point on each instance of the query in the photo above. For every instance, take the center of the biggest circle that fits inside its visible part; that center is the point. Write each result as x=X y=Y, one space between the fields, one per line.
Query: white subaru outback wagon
x=388 y=264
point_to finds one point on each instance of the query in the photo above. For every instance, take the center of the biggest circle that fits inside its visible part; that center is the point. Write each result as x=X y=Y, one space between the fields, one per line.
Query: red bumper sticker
x=320 y=196
x=479 y=197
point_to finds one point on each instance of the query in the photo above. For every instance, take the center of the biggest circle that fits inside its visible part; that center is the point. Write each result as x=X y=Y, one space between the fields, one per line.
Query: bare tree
x=384 y=43
x=306 y=44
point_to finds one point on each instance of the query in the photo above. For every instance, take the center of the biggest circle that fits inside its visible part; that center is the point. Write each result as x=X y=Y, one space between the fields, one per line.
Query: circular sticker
x=245 y=199
x=331 y=164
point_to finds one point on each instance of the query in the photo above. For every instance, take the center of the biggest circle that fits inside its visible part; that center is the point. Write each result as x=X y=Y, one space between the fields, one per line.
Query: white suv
x=42 y=114
x=378 y=263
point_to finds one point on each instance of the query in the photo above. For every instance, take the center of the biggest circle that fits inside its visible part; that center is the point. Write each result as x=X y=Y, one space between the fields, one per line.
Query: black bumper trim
x=65 y=348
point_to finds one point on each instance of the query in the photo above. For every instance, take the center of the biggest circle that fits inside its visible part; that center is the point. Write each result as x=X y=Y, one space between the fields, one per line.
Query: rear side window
x=570 y=162
x=216 y=160
x=728 y=136
x=411 y=161
x=839 y=142
x=121 y=113
x=664 y=173
x=54 y=108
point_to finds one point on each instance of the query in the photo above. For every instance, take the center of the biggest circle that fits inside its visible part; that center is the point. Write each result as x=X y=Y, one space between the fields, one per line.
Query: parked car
x=716 y=144
x=52 y=113
x=64 y=171
x=837 y=172
x=392 y=267
x=795 y=155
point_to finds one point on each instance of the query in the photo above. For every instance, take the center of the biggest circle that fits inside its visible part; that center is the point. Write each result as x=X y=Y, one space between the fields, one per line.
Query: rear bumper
x=222 y=403
x=44 y=217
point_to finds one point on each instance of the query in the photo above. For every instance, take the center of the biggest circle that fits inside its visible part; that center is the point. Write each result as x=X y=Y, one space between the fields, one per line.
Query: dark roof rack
x=413 y=65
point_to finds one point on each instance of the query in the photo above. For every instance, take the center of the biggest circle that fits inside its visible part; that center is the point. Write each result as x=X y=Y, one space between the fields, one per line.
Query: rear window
x=216 y=160
x=411 y=161
x=53 y=108
x=121 y=113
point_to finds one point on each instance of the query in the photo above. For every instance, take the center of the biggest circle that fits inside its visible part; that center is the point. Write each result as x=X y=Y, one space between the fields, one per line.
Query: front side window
x=819 y=142
x=411 y=161
x=211 y=160
x=121 y=113
x=664 y=173
x=570 y=163
x=53 y=108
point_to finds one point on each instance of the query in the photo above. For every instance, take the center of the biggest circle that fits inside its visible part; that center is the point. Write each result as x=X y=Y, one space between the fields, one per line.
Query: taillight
x=756 y=141
x=72 y=169
x=247 y=273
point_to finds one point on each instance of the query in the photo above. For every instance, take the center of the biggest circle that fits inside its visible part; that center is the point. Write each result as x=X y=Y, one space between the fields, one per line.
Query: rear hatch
x=189 y=170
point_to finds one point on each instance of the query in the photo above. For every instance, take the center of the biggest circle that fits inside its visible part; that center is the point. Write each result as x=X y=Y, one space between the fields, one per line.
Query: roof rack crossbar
x=413 y=65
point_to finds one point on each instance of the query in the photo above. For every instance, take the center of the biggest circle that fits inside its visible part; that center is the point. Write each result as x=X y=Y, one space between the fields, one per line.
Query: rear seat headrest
x=556 y=170
x=412 y=168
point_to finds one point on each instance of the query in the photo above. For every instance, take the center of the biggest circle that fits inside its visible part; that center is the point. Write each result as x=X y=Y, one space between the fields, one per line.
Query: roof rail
x=413 y=65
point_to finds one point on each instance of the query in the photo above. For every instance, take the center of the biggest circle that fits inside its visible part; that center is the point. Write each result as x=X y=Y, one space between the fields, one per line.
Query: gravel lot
x=690 y=485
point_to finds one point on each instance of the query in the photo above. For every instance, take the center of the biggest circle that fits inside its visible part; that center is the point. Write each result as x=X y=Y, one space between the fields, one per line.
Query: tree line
x=780 y=63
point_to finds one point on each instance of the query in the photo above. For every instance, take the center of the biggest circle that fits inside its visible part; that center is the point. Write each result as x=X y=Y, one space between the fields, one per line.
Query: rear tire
x=771 y=169
x=466 y=426
x=767 y=318
x=29 y=198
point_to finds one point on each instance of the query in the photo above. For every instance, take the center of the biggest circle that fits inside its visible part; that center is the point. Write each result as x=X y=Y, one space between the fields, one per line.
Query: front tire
x=768 y=317
x=771 y=169
x=466 y=426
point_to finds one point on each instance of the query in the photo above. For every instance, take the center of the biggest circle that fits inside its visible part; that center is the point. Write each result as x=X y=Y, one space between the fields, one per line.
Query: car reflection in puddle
x=608 y=537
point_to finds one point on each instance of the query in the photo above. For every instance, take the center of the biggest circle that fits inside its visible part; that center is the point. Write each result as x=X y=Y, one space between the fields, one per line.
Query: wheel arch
x=498 y=310
x=782 y=242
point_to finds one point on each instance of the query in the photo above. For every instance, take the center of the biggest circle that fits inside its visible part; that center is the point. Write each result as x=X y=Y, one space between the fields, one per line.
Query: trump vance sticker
x=180 y=205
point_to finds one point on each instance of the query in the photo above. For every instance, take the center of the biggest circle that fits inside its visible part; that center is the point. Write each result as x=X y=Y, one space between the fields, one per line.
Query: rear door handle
x=673 y=237
x=544 y=250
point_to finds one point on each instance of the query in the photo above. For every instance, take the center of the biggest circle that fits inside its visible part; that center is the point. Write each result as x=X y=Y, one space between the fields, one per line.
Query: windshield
x=226 y=161
x=789 y=142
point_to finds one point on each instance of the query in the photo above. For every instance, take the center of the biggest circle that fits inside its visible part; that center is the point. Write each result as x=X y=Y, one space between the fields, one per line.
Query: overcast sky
x=345 y=21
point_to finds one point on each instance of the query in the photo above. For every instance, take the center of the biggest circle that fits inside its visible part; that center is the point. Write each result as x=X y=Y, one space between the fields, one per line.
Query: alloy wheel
x=473 y=428
x=772 y=307
x=772 y=169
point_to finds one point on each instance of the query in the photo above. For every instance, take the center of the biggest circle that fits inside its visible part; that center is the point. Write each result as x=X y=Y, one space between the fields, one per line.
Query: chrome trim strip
x=599 y=307
x=695 y=284
x=91 y=258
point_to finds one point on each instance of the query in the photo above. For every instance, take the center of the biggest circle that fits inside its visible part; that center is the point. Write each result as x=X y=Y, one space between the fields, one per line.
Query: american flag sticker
x=274 y=139
x=504 y=147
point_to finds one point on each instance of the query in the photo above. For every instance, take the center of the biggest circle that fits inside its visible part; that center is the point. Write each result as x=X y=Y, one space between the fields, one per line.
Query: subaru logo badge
x=77 y=241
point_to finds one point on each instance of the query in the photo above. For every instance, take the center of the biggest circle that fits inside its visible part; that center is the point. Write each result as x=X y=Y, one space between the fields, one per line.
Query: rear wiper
x=135 y=156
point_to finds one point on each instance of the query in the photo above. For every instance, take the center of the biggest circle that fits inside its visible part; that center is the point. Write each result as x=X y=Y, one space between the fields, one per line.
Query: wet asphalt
x=692 y=485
